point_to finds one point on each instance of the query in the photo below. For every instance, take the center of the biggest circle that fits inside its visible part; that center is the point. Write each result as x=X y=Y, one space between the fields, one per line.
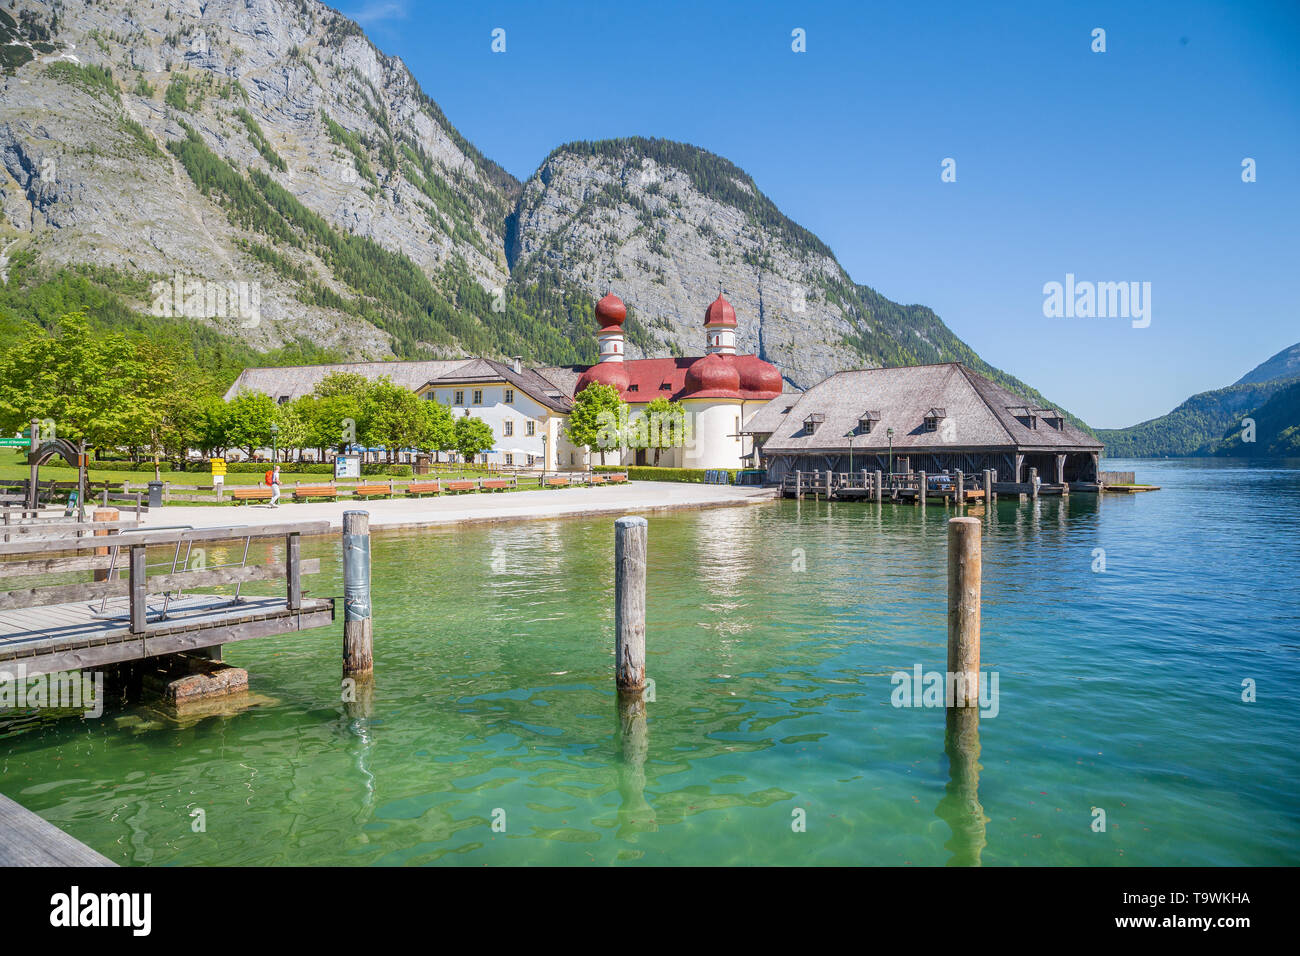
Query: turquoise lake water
x=493 y=698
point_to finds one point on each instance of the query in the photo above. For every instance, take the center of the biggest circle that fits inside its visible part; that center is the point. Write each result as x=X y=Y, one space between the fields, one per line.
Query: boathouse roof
x=975 y=413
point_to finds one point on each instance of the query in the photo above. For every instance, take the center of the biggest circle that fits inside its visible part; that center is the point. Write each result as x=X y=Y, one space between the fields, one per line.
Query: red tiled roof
x=649 y=379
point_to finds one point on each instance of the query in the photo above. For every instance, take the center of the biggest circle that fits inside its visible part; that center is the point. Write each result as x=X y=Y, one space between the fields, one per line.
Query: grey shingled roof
x=976 y=410
x=298 y=380
x=767 y=419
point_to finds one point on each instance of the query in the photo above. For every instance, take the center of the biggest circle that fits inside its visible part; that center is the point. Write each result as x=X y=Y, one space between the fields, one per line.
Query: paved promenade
x=640 y=496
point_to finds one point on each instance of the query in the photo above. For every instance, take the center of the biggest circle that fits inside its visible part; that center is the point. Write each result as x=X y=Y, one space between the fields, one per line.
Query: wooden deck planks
x=29 y=840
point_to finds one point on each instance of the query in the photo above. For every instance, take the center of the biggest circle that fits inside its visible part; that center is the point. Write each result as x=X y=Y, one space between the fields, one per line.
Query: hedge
x=650 y=473
x=127 y=465
x=313 y=468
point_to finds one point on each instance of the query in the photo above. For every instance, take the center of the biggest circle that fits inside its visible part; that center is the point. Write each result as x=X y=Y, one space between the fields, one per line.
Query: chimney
x=517 y=361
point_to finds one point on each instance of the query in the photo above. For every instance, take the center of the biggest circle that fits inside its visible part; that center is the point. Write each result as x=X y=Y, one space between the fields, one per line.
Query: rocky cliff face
x=270 y=143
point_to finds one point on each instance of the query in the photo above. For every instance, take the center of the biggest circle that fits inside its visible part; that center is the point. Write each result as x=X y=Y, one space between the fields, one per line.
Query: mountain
x=1277 y=428
x=148 y=151
x=1209 y=423
x=1193 y=428
x=1284 y=365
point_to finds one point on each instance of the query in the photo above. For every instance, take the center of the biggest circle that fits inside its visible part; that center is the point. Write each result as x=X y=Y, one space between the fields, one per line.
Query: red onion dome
x=610 y=311
x=604 y=373
x=713 y=373
x=759 y=376
x=720 y=313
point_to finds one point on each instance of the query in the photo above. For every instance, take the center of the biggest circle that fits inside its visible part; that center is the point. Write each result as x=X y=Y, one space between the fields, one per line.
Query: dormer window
x=811 y=423
x=933 y=417
x=1049 y=415
x=867 y=422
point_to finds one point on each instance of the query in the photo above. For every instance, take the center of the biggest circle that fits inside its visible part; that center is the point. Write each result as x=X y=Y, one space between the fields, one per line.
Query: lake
x=494 y=735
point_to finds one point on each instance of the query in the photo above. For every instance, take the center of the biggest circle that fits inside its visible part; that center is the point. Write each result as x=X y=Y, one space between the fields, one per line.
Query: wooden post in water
x=961 y=488
x=866 y=486
x=358 y=626
x=964 y=573
x=798 y=485
x=921 y=489
x=630 y=534
x=1033 y=482
x=828 y=486
x=880 y=487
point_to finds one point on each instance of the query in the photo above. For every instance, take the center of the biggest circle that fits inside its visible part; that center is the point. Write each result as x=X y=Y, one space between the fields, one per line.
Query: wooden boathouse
x=937 y=419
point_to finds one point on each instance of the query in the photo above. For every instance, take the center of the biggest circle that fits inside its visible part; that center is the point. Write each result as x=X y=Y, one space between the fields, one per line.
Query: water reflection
x=960 y=807
x=635 y=815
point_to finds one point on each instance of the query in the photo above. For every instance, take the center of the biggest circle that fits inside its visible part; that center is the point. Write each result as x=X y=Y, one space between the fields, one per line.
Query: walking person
x=275 y=487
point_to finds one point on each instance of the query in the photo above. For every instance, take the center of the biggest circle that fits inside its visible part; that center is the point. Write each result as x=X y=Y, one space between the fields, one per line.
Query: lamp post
x=545 y=439
x=890 y=433
x=275 y=433
x=851 y=436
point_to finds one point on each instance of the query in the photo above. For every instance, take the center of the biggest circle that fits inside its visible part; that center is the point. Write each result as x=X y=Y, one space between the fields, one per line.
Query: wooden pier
x=134 y=610
x=875 y=486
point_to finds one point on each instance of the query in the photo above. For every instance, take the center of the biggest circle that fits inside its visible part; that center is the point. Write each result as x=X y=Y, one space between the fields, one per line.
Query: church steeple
x=720 y=328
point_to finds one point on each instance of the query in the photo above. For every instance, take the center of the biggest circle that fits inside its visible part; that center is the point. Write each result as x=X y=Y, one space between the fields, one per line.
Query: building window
x=478 y=396
x=531 y=428
x=510 y=459
x=510 y=396
x=508 y=429
x=482 y=459
x=811 y=423
x=634 y=388
x=571 y=458
x=532 y=459
x=459 y=398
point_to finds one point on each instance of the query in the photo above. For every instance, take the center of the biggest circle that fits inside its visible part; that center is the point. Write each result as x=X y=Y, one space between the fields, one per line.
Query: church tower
x=720 y=328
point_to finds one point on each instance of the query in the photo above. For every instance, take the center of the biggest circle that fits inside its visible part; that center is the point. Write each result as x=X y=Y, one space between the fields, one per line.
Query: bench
x=418 y=488
x=315 y=491
x=462 y=485
x=615 y=479
x=495 y=484
x=371 y=491
x=596 y=480
x=557 y=482
x=250 y=494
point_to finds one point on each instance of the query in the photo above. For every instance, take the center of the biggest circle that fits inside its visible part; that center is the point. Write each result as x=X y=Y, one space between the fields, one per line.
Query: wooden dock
x=30 y=840
x=875 y=486
x=129 y=613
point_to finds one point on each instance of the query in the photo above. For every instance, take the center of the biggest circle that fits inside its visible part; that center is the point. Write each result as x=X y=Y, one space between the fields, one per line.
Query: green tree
x=595 y=421
x=88 y=385
x=248 y=425
x=665 y=424
x=473 y=436
x=294 y=430
x=392 y=417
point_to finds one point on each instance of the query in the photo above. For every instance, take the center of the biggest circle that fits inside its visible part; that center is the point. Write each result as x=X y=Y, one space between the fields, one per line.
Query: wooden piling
x=630 y=535
x=961 y=488
x=964 y=573
x=828 y=486
x=1033 y=482
x=880 y=487
x=921 y=489
x=358 y=625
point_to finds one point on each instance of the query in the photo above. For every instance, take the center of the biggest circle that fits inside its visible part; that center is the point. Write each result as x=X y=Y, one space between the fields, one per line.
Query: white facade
x=524 y=429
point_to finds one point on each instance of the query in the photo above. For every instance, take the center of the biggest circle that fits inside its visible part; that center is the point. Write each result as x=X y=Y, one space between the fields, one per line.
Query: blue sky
x=1116 y=166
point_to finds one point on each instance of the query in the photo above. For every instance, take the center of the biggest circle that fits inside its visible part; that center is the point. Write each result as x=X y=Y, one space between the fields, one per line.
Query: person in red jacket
x=273 y=479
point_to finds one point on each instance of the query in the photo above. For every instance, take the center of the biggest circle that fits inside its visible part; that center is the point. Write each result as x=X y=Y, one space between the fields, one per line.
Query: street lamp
x=275 y=433
x=852 y=433
x=890 y=433
x=545 y=438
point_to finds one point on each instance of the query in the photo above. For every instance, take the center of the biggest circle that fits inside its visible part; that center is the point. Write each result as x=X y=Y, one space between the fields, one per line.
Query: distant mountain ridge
x=1210 y=423
x=270 y=142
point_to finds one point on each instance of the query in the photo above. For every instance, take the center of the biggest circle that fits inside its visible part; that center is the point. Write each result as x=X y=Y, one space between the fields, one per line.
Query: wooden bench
x=371 y=491
x=250 y=494
x=315 y=491
x=462 y=486
x=418 y=488
x=615 y=479
x=495 y=484
x=557 y=482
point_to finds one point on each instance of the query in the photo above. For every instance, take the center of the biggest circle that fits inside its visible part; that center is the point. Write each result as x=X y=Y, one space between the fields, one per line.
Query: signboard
x=347 y=466
x=15 y=442
x=72 y=505
x=218 y=465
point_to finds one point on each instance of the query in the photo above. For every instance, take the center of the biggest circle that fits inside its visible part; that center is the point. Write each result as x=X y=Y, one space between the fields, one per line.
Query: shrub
x=650 y=473
x=128 y=466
